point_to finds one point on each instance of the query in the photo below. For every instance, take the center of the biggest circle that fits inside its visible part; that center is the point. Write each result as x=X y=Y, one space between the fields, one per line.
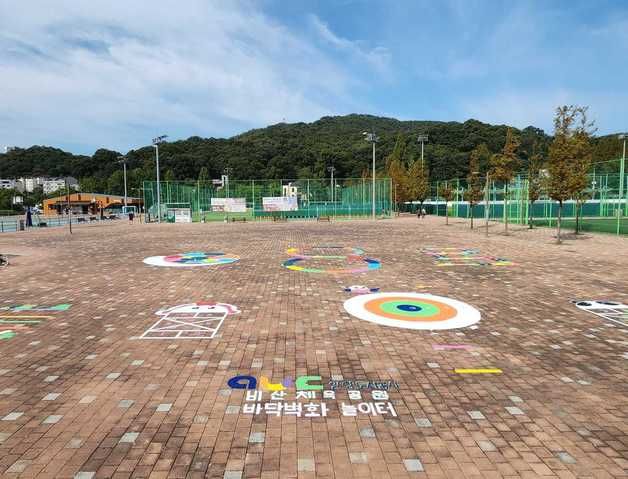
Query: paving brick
x=82 y=396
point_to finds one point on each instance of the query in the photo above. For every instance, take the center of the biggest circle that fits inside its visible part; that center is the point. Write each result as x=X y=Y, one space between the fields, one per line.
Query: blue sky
x=82 y=75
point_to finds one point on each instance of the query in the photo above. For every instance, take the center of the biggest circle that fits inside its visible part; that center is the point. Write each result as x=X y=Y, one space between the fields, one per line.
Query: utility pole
x=156 y=142
x=372 y=138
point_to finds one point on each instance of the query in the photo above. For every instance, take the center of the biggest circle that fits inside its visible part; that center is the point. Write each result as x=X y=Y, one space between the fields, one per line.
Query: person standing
x=29 y=217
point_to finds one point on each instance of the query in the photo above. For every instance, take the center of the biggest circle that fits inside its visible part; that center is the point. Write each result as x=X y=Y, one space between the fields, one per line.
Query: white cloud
x=110 y=73
x=378 y=58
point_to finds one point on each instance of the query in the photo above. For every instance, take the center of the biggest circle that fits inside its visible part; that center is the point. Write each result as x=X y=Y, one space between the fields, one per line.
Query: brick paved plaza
x=83 y=395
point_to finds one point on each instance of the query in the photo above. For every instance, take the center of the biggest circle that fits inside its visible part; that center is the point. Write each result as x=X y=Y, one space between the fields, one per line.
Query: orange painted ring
x=445 y=311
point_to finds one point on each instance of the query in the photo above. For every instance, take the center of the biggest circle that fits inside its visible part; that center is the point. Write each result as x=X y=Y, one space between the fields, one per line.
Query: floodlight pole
x=622 y=180
x=67 y=203
x=332 y=169
x=372 y=138
x=123 y=161
x=422 y=139
x=156 y=142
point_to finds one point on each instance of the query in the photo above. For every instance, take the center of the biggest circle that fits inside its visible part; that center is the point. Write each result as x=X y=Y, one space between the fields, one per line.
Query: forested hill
x=299 y=150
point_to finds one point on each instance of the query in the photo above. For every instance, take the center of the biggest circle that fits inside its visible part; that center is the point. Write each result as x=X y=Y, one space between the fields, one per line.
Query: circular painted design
x=295 y=263
x=412 y=311
x=192 y=259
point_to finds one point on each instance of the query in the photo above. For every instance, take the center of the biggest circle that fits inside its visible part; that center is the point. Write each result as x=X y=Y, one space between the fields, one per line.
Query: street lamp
x=422 y=139
x=372 y=138
x=122 y=159
x=156 y=142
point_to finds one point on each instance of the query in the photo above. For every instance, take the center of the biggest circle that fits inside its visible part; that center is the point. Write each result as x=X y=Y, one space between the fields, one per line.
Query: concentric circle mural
x=192 y=259
x=412 y=311
x=297 y=261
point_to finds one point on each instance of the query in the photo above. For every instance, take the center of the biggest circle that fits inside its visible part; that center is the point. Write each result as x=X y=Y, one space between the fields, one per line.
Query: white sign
x=179 y=215
x=229 y=205
x=280 y=203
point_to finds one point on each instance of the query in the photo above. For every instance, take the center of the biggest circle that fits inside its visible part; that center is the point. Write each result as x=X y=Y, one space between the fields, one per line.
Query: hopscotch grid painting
x=193 y=321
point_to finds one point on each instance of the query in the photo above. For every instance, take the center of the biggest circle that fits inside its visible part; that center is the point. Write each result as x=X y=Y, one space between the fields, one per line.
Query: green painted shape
x=302 y=383
x=23 y=307
x=58 y=307
x=7 y=335
x=426 y=309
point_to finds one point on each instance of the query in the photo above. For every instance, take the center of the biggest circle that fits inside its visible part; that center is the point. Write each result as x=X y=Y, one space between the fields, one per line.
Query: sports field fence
x=602 y=207
x=345 y=198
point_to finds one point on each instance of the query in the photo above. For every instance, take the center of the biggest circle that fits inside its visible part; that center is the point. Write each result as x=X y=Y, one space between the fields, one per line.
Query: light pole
x=331 y=169
x=622 y=179
x=227 y=171
x=156 y=142
x=422 y=139
x=372 y=138
x=122 y=159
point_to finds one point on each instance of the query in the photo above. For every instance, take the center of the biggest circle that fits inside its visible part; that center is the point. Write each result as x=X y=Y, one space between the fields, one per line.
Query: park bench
x=324 y=218
x=242 y=220
x=42 y=224
x=81 y=220
x=280 y=218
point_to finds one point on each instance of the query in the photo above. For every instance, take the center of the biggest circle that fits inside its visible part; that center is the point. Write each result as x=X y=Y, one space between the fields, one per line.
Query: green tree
x=475 y=190
x=579 y=182
x=203 y=175
x=568 y=156
x=169 y=175
x=418 y=181
x=503 y=167
x=447 y=193
x=397 y=171
x=535 y=183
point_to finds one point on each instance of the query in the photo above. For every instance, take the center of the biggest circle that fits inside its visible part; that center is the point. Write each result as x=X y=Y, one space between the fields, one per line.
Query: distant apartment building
x=6 y=184
x=29 y=184
x=56 y=184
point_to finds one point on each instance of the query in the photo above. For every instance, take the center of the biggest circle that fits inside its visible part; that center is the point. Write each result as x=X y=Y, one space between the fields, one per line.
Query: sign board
x=229 y=205
x=280 y=203
x=179 y=215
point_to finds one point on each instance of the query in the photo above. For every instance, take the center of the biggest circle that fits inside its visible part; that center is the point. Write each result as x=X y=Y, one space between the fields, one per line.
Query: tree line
x=295 y=151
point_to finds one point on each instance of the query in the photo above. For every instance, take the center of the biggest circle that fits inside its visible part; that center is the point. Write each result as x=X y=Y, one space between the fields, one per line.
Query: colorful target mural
x=185 y=260
x=356 y=261
x=412 y=311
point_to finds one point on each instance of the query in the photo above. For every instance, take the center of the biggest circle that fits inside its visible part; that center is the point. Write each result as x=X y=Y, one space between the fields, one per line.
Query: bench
x=324 y=218
x=81 y=220
x=280 y=218
x=42 y=224
x=242 y=220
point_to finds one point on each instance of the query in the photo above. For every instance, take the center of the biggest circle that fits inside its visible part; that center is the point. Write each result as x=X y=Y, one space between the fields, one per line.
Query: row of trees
x=562 y=174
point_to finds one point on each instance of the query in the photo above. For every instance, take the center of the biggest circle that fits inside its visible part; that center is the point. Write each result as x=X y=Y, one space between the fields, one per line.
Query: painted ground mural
x=353 y=259
x=20 y=318
x=464 y=257
x=609 y=310
x=197 y=258
x=200 y=320
x=412 y=311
